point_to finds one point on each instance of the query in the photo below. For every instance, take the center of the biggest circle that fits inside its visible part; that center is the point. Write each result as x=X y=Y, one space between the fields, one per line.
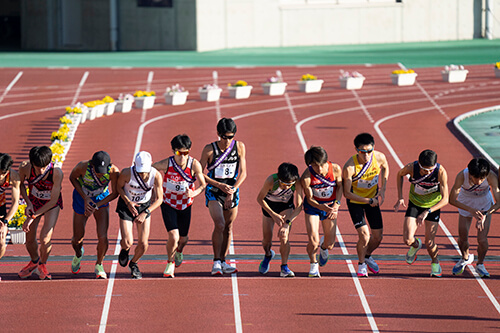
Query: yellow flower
x=73 y=110
x=57 y=148
x=57 y=158
x=403 y=71
x=108 y=99
x=497 y=65
x=239 y=83
x=64 y=128
x=59 y=136
x=140 y=93
x=65 y=120
x=308 y=77
x=18 y=218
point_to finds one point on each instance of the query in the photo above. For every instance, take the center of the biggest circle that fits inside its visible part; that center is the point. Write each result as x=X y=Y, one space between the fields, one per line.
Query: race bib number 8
x=225 y=171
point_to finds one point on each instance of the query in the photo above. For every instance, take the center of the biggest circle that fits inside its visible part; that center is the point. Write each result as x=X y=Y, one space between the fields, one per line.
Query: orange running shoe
x=43 y=273
x=28 y=270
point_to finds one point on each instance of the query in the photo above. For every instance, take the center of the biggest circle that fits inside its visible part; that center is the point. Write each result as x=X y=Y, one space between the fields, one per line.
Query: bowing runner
x=44 y=199
x=92 y=180
x=365 y=178
x=180 y=174
x=322 y=184
x=140 y=194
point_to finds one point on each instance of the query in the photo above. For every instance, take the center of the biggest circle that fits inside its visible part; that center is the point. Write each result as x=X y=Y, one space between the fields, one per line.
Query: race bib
x=44 y=195
x=423 y=191
x=176 y=187
x=136 y=196
x=93 y=193
x=225 y=171
x=368 y=183
x=323 y=192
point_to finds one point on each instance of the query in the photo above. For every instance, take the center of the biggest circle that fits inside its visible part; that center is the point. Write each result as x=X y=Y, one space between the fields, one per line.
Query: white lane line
x=365 y=110
x=236 y=293
x=218 y=114
x=150 y=79
x=11 y=84
x=352 y=270
x=148 y=88
x=287 y=99
x=80 y=85
x=479 y=280
x=433 y=102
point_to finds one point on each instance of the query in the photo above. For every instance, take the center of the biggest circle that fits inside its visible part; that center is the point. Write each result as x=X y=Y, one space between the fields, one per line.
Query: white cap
x=143 y=162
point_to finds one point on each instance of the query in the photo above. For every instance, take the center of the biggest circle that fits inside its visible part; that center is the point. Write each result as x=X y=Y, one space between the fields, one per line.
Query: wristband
x=337 y=202
x=371 y=201
x=288 y=222
x=93 y=205
x=429 y=211
x=148 y=213
x=5 y=221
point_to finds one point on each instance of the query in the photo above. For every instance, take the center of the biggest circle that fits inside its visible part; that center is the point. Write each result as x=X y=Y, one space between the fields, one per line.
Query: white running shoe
x=481 y=270
x=323 y=254
x=314 y=271
x=362 y=270
x=217 y=268
x=372 y=265
x=228 y=269
x=461 y=264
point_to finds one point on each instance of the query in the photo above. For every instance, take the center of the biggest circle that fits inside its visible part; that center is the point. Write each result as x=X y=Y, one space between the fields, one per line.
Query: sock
x=367 y=256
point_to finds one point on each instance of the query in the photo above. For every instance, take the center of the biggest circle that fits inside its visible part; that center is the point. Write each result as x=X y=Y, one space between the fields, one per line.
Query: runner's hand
x=400 y=202
x=90 y=207
x=422 y=217
x=480 y=224
x=140 y=218
x=279 y=219
x=190 y=193
x=478 y=215
x=375 y=202
x=381 y=198
x=29 y=209
x=131 y=207
x=27 y=224
x=228 y=189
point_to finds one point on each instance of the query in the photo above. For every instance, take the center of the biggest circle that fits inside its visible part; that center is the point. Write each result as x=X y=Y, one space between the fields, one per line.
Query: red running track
x=401 y=298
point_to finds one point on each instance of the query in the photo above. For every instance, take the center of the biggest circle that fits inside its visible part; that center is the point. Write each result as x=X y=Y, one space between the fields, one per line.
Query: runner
x=471 y=193
x=227 y=169
x=322 y=184
x=137 y=186
x=181 y=172
x=277 y=200
x=8 y=178
x=365 y=177
x=428 y=194
x=91 y=181
x=44 y=199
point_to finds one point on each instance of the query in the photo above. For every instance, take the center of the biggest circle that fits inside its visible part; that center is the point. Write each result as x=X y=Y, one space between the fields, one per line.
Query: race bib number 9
x=323 y=192
x=44 y=195
x=225 y=171
x=176 y=187
x=368 y=183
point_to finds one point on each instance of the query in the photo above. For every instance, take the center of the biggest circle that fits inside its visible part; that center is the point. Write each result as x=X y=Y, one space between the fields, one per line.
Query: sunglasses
x=183 y=153
x=426 y=169
x=286 y=184
x=367 y=151
x=227 y=137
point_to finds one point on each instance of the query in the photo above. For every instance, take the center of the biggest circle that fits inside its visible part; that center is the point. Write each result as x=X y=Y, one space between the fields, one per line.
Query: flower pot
x=124 y=105
x=100 y=110
x=92 y=113
x=407 y=79
x=210 y=95
x=310 y=86
x=17 y=236
x=454 y=76
x=176 y=98
x=145 y=102
x=240 y=92
x=109 y=108
x=274 y=89
x=351 y=83
x=497 y=72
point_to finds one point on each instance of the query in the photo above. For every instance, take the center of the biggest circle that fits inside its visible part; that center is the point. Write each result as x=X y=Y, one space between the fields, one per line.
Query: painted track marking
x=11 y=84
x=80 y=86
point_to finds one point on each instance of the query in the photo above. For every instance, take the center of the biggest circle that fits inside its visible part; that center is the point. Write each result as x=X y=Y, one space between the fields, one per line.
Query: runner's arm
x=443 y=184
x=243 y=165
x=492 y=180
x=161 y=165
x=157 y=192
x=114 y=173
x=266 y=187
x=347 y=174
x=384 y=175
x=198 y=174
x=15 y=183
x=406 y=170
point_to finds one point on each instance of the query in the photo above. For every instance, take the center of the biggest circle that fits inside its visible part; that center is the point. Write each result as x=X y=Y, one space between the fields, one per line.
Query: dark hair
x=427 y=158
x=288 y=172
x=226 y=125
x=40 y=156
x=316 y=155
x=5 y=162
x=479 y=168
x=363 y=139
x=181 y=141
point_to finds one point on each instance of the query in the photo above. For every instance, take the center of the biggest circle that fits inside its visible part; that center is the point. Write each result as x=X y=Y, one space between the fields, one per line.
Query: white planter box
x=109 y=108
x=497 y=72
x=84 y=116
x=124 y=106
x=240 y=92
x=210 y=95
x=404 y=79
x=310 y=86
x=454 y=76
x=91 y=113
x=17 y=236
x=145 y=102
x=274 y=89
x=100 y=110
x=351 y=83
x=176 y=98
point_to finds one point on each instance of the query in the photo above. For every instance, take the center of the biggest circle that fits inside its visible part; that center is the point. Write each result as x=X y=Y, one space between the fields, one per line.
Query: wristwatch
x=288 y=222
x=337 y=202
x=371 y=201
x=429 y=211
x=5 y=221
x=148 y=213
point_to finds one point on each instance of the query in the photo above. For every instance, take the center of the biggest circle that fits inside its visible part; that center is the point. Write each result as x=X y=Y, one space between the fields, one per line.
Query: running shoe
x=436 y=270
x=134 y=270
x=178 y=257
x=286 y=272
x=482 y=271
x=323 y=254
x=217 y=268
x=411 y=255
x=461 y=264
x=228 y=269
x=28 y=270
x=99 y=272
x=169 y=270
x=75 y=264
x=43 y=273
x=123 y=257
x=362 y=271
x=265 y=264
x=314 y=270
x=372 y=265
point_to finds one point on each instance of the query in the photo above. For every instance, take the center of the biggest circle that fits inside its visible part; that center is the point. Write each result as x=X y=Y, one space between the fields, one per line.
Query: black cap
x=101 y=162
